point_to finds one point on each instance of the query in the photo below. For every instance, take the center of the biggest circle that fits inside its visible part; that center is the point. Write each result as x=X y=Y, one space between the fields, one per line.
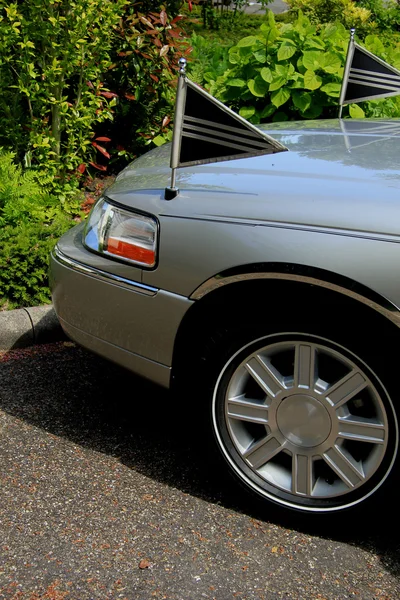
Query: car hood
x=336 y=174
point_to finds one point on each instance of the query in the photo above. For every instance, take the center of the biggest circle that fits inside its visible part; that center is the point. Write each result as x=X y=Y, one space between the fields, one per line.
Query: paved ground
x=277 y=7
x=102 y=497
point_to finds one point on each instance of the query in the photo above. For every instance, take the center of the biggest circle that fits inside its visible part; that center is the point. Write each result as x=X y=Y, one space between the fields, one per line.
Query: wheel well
x=278 y=298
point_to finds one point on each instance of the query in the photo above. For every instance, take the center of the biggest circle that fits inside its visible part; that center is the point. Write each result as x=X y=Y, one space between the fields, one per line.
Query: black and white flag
x=208 y=131
x=367 y=77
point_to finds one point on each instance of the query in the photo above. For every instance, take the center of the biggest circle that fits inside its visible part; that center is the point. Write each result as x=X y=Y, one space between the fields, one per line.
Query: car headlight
x=122 y=234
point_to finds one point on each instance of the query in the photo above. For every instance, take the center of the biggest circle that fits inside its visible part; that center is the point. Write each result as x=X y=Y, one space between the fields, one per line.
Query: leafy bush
x=295 y=67
x=144 y=56
x=69 y=67
x=53 y=55
x=24 y=259
x=209 y=59
x=345 y=12
x=385 y=14
x=31 y=219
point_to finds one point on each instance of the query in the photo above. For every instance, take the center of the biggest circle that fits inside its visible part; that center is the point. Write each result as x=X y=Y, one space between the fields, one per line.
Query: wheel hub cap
x=303 y=420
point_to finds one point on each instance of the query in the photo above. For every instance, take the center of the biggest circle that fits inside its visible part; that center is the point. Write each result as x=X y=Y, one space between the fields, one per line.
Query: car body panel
x=328 y=206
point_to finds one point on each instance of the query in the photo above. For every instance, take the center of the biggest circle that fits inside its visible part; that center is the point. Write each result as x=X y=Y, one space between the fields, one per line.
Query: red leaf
x=101 y=149
x=99 y=167
x=190 y=5
x=145 y=56
x=154 y=78
x=174 y=34
x=129 y=96
x=165 y=121
x=163 y=18
x=177 y=18
x=103 y=139
x=109 y=94
x=81 y=168
x=90 y=84
x=157 y=43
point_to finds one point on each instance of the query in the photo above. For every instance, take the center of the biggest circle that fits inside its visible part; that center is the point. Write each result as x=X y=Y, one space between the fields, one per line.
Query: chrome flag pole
x=172 y=191
x=349 y=58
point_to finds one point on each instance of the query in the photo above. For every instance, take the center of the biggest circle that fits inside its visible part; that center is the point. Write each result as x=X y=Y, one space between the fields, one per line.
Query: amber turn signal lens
x=131 y=251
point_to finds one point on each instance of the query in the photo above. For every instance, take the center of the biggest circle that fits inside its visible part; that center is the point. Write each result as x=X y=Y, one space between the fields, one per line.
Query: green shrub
x=385 y=14
x=32 y=217
x=24 y=260
x=295 y=71
x=81 y=80
x=345 y=12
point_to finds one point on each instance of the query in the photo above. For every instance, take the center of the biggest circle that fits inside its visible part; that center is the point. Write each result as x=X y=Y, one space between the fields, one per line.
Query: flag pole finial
x=182 y=62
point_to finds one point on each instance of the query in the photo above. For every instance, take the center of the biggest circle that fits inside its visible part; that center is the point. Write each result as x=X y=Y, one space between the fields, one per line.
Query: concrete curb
x=25 y=327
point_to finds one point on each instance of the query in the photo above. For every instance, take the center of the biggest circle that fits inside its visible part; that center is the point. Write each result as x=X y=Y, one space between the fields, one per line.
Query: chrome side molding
x=111 y=278
x=365 y=296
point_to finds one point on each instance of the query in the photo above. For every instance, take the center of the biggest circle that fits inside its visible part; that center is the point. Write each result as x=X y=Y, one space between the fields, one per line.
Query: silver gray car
x=268 y=292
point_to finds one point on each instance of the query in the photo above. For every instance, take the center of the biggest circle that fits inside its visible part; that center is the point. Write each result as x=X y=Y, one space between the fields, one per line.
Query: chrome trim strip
x=111 y=278
x=394 y=78
x=239 y=131
x=219 y=281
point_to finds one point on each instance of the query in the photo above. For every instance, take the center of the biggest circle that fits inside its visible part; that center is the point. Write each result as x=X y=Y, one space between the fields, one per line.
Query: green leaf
x=266 y=74
x=331 y=89
x=260 y=55
x=280 y=97
x=298 y=83
x=313 y=60
x=235 y=57
x=331 y=62
x=247 y=41
x=301 y=100
x=247 y=112
x=277 y=82
x=236 y=82
x=314 y=42
x=159 y=140
x=269 y=33
x=286 y=51
x=282 y=70
x=356 y=112
x=374 y=44
x=312 y=81
x=258 y=87
x=267 y=111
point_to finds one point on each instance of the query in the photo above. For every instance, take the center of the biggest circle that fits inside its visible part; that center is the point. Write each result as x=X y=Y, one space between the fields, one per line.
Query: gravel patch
x=103 y=496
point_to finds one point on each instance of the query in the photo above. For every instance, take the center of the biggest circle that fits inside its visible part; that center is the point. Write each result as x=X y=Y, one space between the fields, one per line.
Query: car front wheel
x=304 y=422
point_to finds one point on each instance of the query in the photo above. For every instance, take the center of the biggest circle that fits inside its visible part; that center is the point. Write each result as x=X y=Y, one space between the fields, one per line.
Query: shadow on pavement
x=72 y=394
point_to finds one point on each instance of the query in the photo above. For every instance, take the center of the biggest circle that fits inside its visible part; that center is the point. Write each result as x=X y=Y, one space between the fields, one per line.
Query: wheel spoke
x=260 y=453
x=349 y=471
x=345 y=389
x=247 y=410
x=302 y=475
x=361 y=430
x=304 y=366
x=267 y=377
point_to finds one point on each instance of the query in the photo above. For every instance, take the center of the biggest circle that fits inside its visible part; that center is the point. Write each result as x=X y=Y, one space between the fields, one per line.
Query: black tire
x=221 y=360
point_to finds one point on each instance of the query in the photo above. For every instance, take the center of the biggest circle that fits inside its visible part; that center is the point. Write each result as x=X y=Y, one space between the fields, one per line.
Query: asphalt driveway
x=104 y=496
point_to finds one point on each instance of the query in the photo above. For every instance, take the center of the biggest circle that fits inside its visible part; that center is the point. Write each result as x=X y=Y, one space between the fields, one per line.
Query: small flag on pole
x=366 y=77
x=205 y=131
